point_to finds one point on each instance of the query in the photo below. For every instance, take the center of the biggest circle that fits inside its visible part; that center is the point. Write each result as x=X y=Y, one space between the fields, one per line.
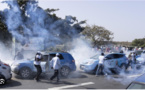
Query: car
x=5 y=73
x=138 y=83
x=140 y=58
x=26 y=68
x=111 y=61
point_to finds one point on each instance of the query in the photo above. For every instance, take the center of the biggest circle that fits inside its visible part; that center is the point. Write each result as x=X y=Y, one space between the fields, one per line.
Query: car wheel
x=2 y=81
x=64 y=71
x=25 y=73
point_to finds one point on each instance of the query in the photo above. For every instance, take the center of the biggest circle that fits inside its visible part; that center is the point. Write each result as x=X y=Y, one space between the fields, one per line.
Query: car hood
x=22 y=61
x=88 y=60
x=140 y=59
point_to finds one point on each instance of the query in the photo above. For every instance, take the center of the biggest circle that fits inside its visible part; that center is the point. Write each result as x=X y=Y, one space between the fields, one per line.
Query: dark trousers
x=100 y=69
x=56 y=74
x=39 y=71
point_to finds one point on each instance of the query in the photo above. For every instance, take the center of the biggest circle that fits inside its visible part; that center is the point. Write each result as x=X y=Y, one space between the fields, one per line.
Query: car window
x=95 y=57
x=53 y=55
x=108 y=57
x=45 y=57
x=136 y=86
x=117 y=56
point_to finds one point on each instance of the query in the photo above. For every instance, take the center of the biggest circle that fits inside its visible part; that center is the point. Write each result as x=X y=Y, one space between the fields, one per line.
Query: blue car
x=138 y=83
x=111 y=61
x=26 y=68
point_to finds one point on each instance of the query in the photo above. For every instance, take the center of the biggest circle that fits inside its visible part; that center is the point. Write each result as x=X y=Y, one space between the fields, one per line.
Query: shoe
x=96 y=75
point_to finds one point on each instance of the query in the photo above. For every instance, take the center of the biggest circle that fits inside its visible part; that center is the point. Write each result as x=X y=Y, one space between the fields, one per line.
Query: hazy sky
x=125 y=18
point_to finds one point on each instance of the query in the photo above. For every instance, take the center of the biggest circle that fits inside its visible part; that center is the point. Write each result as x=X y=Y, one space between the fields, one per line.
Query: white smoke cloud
x=82 y=51
x=5 y=54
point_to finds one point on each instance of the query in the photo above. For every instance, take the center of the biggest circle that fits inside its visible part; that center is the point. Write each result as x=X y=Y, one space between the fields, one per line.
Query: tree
x=5 y=36
x=97 y=34
x=139 y=42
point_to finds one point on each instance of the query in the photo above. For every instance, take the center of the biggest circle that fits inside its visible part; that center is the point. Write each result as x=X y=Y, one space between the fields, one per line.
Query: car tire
x=25 y=73
x=2 y=81
x=64 y=71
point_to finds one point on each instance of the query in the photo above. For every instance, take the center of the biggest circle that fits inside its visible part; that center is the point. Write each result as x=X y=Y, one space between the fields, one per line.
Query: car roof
x=116 y=53
x=47 y=53
x=140 y=79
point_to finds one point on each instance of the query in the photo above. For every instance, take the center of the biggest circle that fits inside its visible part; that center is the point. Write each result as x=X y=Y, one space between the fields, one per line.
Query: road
x=77 y=80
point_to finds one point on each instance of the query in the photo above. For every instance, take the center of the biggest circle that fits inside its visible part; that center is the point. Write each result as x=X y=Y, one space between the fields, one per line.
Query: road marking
x=134 y=75
x=70 y=86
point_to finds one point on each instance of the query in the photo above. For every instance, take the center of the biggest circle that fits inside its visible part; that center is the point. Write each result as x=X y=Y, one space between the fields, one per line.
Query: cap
x=57 y=54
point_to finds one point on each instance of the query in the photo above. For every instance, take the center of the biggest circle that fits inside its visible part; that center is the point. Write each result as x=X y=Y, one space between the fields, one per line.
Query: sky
x=125 y=18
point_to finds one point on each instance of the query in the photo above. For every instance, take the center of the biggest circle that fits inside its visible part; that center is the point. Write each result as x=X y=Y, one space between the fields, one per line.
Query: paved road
x=77 y=80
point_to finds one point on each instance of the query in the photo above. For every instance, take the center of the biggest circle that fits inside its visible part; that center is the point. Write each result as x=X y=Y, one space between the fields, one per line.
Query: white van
x=5 y=73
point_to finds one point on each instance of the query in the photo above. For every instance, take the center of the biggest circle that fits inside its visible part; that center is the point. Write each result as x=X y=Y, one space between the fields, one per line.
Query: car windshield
x=136 y=86
x=95 y=57
x=32 y=58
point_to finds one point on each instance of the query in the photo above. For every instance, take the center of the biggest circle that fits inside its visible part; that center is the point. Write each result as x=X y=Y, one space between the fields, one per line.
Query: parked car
x=111 y=61
x=138 y=83
x=5 y=73
x=26 y=68
x=140 y=58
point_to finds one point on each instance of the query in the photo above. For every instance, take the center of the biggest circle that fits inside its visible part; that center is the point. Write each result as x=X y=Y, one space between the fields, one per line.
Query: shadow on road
x=11 y=83
x=57 y=83
x=75 y=74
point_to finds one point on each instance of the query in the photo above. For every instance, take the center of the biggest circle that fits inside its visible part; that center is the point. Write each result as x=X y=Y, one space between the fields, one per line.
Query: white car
x=5 y=73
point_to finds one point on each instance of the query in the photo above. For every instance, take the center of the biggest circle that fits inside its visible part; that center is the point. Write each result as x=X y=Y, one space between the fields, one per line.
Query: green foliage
x=97 y=34
x=139 y=42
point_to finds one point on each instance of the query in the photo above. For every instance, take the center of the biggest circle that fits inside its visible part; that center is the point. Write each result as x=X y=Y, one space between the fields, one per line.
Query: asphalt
x=76 y=80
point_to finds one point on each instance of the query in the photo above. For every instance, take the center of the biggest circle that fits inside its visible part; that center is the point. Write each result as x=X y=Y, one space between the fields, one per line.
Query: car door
x=44 y=63
x=110 y=61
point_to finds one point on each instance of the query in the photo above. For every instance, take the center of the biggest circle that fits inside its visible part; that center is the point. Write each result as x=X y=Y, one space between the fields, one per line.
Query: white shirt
x=37 y=62
x=55 y=63
x=101 y=59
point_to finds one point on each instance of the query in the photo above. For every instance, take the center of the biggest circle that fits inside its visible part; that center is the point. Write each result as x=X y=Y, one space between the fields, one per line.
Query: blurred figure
x=19 y=56
x=38 y=59
x=55 y=64
x=133 y=64
x=121 y=51
x=100 y=68
x=129 y=60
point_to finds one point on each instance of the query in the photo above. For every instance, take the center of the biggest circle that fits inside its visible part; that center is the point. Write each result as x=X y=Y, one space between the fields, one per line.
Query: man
x=101 y=65
x=55 y=64
x=19 y=56
x=38 y=58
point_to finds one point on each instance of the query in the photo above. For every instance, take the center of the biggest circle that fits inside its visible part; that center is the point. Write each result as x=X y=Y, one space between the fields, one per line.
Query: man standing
x=38 y=58
x=55 y=64
x=101 y=65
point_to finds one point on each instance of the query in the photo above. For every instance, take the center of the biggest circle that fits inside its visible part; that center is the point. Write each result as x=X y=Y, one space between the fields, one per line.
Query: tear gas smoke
x=36 y=23
x=82 y=51
x=35 y=29
x=5 y=54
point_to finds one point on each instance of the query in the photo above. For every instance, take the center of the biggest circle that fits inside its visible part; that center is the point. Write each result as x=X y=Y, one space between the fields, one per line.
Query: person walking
x=38 y=59
x=55 y=64
x=129 y=60
x=101 y=65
